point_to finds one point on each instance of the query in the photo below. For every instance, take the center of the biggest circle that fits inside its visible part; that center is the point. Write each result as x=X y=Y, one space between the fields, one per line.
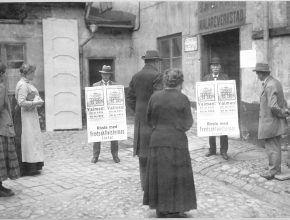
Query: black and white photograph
x=139 y=109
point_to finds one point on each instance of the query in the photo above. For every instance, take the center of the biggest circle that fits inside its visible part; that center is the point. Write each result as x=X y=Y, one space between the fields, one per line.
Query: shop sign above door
x=220 y=15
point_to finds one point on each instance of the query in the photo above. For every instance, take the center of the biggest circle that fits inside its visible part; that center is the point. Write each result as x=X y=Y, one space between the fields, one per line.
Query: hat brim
x=263 y=71
x=105 y=72
x=151 y=58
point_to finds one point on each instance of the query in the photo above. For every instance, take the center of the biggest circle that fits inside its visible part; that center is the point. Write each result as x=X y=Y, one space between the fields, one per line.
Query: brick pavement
x=71 y=187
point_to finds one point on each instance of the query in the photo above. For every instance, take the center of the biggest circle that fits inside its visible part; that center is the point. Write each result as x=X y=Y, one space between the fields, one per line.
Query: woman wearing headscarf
x=28 y=101
x=9 y=167
x=169 y=186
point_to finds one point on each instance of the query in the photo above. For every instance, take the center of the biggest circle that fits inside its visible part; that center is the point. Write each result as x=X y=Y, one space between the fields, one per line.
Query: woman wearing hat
x=29 y=138
x=9 y=167
x=169 y=184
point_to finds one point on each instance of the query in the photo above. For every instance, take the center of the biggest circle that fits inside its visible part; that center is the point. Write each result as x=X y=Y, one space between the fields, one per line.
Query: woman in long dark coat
x=169 y=185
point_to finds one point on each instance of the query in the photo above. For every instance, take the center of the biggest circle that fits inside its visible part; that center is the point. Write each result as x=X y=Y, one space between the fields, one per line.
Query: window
x=170 y=49
x=12 y=55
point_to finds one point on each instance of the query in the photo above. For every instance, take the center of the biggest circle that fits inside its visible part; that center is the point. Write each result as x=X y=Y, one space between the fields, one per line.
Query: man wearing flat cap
x=216 y=74
x=141 y=87
x=272 y=118
x=106 y=74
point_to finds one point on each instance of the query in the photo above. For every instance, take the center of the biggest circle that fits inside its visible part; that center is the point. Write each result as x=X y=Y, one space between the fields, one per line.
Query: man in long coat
x=141 y=87
x=272 y=118
x=106 y=74
x=215 y=68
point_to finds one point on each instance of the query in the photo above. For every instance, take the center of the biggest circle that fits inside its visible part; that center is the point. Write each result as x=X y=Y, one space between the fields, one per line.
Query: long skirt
x=9 y=167
x=169 y=184
x=25 y=168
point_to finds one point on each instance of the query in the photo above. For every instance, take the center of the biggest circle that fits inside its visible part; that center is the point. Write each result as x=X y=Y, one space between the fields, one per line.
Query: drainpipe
x=82 y=57
x=88 y=8
x=139 y=16
x=266 y=32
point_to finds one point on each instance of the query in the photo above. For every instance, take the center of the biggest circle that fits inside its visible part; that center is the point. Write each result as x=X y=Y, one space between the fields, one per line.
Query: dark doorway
x=95 y=65
x=225 y=45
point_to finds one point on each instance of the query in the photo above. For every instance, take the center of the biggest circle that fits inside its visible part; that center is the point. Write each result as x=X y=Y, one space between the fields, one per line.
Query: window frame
x=3 y=52
x=10 y=73
x=170 y=38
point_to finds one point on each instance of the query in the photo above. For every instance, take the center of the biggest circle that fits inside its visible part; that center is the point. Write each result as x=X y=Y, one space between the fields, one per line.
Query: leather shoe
x=177 y=215
x=94 y=160
x=161 y=214
x=116 y=159
x=6 y=190
x=6 y=194
x=225 y=155
x=210 y=154
x=268 y=176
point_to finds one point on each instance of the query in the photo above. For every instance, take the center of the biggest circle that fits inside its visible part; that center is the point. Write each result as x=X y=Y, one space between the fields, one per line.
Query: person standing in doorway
x=9 y=166
x=272 y=118
x=106 y=73
x=216 y=74
x=141 y=87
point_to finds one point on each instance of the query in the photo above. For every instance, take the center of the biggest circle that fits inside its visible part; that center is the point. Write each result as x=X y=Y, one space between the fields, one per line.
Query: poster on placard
x=217 y=108
x=106 y=113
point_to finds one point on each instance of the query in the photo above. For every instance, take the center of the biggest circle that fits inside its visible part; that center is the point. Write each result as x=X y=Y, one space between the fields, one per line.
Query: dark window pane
x=176 y=63
x=15 y=52
x=164 y=49
x=14 y=65
x=165 y=64
x=177 y=46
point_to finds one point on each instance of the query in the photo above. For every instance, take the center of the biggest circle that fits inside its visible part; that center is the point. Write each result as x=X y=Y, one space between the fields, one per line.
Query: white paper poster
x=217 y=109
x=106 y=113
x=247 y=58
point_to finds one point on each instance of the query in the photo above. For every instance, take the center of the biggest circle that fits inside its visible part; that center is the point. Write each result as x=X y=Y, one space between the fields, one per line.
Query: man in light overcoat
x=106 y=74
x=272 y=118
x=141 y=87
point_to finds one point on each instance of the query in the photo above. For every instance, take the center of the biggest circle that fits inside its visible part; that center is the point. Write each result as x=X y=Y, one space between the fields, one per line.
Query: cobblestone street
x=72 y=187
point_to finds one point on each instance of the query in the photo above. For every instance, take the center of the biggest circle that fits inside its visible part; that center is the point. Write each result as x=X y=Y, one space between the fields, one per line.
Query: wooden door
x=61 y=74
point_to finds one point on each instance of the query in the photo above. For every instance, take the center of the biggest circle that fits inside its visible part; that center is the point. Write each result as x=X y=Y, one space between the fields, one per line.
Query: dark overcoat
x=272 y=122
x=169 y=115
x=141 y=87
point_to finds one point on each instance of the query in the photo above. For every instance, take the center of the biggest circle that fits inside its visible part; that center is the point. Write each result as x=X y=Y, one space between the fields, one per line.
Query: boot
x=212 y=146
x=225 y=155
x=5 y=192
x=96 y=152
x=114 y=151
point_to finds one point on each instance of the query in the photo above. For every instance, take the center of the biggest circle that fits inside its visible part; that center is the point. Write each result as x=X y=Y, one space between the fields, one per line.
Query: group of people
x=272 y=116
x=162 y=117
x=21 y=147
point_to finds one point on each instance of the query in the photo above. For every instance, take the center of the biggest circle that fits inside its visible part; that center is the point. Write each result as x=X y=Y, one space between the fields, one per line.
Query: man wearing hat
x=215 y=68
x=141 y=87
x=272 y=118
x=106 y=74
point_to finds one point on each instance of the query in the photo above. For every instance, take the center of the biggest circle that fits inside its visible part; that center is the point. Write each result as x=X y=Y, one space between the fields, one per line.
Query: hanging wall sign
x=190 y=44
